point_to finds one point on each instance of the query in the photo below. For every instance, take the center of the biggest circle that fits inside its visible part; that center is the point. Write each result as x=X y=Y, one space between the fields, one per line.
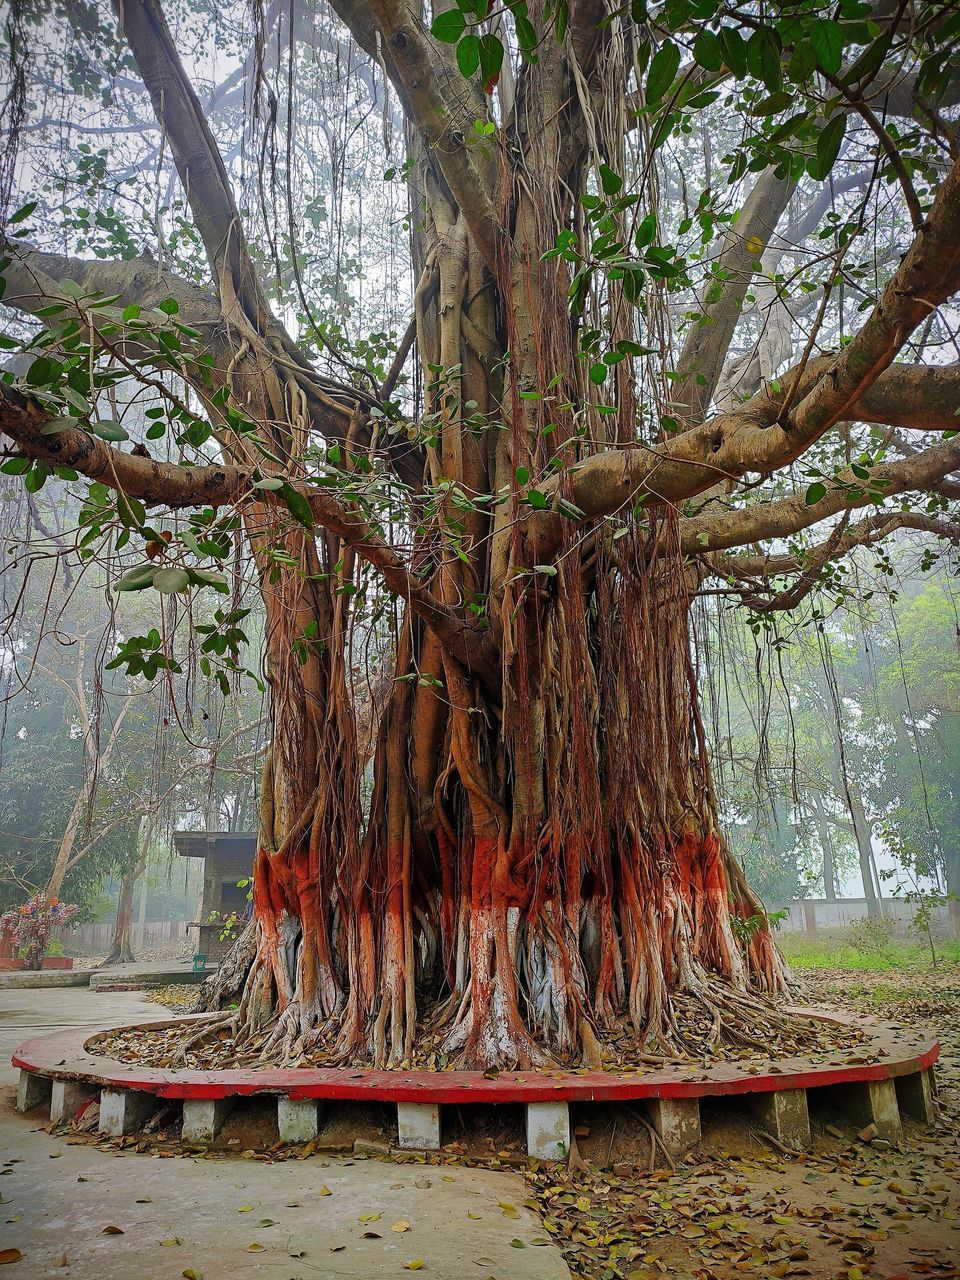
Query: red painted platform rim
x=64 y=1055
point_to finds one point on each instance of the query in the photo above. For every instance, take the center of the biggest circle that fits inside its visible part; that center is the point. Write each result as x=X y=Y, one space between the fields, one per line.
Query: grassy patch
x=835 y=951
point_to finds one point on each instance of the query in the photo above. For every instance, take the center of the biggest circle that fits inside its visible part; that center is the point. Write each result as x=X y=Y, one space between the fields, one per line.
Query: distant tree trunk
x=953 y=885
x=826 y=846
x=94 y=762
x=862 y=834
x=142 y=912
x=121 y=949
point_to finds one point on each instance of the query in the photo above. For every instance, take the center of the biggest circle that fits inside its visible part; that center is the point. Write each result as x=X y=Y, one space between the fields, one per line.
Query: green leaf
x=803 y=62
x=491 y=60
x=137 y=579
x=298 y=506
x=771 y=72
x=778 y=101
x=55 y=425
x=171 y=581
x=22 y=213
x=43 y=371
x=526 y=36
x=646 y=231
x=108 y=431
x=598 y=374
x=828 y=145
x=468 y=55
x=169 y=306
x=826 y=39
x=448 y=26
x=523 y=475
x=208 y=578
x=537 y=499
x=610 y=182
x=16 y=466
x=270 y=483
x=734 y=50
x=663 y=70
x=815 y=493
x=707 y=51
x=34 y=480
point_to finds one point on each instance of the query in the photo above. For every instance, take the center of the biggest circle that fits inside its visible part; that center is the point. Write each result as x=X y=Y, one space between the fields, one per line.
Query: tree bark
x=541 y=871
x=121 y=948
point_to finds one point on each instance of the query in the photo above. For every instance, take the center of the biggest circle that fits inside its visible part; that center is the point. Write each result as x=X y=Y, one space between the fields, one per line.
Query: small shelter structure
x=228 y=859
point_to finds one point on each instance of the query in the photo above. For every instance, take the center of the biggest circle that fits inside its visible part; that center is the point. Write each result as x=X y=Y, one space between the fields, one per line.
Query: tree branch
x=711 y=330
x=865 y=533
x=165 y=483
x=752 y=439
x=714 y=532
x=34 y=277
x=196 y=156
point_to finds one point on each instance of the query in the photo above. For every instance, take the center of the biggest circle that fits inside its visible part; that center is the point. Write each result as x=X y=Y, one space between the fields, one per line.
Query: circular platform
x=890 y=1054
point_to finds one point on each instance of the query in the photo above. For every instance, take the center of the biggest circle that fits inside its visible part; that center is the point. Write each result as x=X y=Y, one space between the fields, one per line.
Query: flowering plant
x=33 y=923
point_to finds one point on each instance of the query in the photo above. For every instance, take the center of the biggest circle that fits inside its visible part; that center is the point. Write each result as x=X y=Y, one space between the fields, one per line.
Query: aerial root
x=210 y=1026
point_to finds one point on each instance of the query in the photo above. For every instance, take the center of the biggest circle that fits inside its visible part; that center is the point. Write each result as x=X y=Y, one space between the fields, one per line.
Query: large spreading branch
x=196 y=156
x=333 y=406
x=846 y=492
x=711 y=331
x=776 y=426
x=177 y=487
x=34 y=280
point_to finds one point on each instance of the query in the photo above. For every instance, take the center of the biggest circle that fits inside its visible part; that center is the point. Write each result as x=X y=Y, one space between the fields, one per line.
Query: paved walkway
x=179 y=1216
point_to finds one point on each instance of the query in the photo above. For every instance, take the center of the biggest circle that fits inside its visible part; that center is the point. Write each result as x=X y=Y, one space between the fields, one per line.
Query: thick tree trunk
x=541 y=867
x=535 y=874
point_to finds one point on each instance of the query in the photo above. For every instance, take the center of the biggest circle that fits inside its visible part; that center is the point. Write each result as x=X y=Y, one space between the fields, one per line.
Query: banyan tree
x=678 y=327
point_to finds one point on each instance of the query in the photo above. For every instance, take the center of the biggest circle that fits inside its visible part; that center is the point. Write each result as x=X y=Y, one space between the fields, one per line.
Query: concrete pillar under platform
x=125 y=1111
x=784 y=1115
x=915 y=1095
x=677 y=1121
x=548 y=1130
x=871 y=1102
x=418 y=1125
x=32 y=1090
x=203 y=1119
x=67 y=1097
x=297 y=1121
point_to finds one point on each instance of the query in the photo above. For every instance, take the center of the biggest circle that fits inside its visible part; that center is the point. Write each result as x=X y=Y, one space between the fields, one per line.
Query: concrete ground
x=85 y=974
x=219 y=1219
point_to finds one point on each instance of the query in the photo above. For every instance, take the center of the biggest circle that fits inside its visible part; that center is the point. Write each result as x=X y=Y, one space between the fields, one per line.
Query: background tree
x=604 y=411
x=847 y=744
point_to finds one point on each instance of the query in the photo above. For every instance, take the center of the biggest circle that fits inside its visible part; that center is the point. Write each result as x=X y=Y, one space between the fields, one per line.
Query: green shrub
x=871 y=936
